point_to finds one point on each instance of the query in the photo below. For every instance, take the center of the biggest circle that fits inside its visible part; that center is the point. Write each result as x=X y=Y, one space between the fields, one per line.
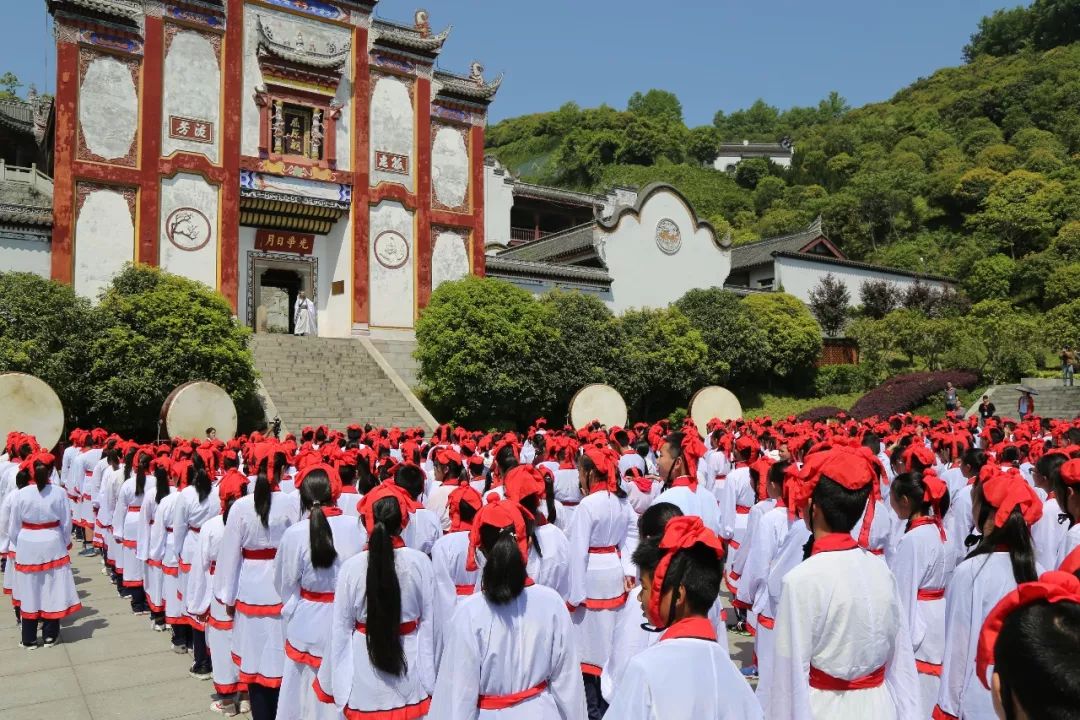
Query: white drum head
x=713 y=402
x=195 y=406
x=598 y=402
x=28 y=405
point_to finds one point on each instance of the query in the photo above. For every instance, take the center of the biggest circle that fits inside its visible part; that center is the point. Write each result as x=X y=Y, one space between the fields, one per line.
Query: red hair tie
x=692 y=451
x=387 y=489
x=681 y=533
x=522 y=481
x=462 y=494
x=501 y=514
x=1007 y=490
x=644 y=484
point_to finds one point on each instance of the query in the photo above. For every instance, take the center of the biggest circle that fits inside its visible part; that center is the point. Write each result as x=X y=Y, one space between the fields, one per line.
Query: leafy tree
x=46 y=330
x=586 y=347
x=703 y=144
x=663 y=360
x=876 y=341
x=749 y=172
x=1067 y=241
x=1062 y=325
x=1063 y=284
x=1022 y=209
x=794 y=335
x=656 y=104
x=9 y=87
x=974 y=185
x=737 y=347
x=161 y=331
x=829 y=302
x=481 y=343
x=1045 y=24
x=920 y=297
x=990 y=278
x=878 y=298
x=1005 y=339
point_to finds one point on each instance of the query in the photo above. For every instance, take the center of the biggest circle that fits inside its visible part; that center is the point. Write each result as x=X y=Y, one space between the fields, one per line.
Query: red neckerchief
x=955 y=464
x=332 y=511
x=396 y=542
x=1051 y=495
x=566 y=466
x=834 y=542
x=349 y=490
x=644 y=484
x=629 y=451
x=928 y=520
x=529 y=582
x=971 y=480
x=696 y=627
x=685 y=481
x=741 y=464
x=598 y=488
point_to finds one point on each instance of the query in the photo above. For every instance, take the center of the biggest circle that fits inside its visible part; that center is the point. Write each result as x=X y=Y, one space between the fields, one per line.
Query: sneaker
x=180 y=649
x=749 y=672
x=28 y=647
x=226 y=708
x=87 y=552
x=51 y=642
x=245 y=706
x=200 y=672
x=159 y=626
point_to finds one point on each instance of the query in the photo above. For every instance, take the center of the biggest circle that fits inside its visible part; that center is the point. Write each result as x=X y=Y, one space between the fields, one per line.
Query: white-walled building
x=731 y=154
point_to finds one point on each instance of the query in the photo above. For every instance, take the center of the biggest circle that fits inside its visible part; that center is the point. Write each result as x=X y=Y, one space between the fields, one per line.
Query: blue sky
x=713 y=54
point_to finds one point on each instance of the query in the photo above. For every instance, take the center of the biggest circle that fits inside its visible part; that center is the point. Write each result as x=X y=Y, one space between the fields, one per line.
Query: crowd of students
x=906 y=569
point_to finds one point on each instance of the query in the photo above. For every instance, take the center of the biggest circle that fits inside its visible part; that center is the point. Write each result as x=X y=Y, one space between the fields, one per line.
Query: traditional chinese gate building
x=267 y=147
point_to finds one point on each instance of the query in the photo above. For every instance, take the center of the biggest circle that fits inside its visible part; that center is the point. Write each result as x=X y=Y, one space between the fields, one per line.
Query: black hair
x=911 y=486
x=314 y=496
x=1014 y=534
x=622 y=438
x=996 y=435
x=112 y=457
x=140 y=475
x=411 y=478
x=1010 y=455
x=1035 y=658
x=202 y=484
x=365 y=480
x=347 y=473
x=467 y=513
x=129 y=461
x=383 y=594
x=228 y=462
x=263 y=491
x=974 y=459
x=589 y=467
x=776 y=474
x=872 y=441
x=675 y=440
x=655 y=518
x=22 y=479
x=161 y=480
x=230 y=502
x=698 y=569
x=840 y=507
x=549 y=499
x=504 y=569
x=42 y=473
x=209 y=430
x=320 y=435
x=506 y=459
x=642 y=448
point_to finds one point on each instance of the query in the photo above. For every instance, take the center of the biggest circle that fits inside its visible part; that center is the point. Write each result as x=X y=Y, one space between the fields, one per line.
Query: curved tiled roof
x=761 y=252
x=826 y=260
x=643 y=197
x=467 y=87
x=498 y=265
x=556 y=245
x=408 y=37
x=300 y=55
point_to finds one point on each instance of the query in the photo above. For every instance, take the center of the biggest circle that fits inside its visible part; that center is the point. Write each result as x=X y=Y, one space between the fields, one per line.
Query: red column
x=150 y=154
x=233 y=66
x=477 y=182
x=67 y=90
x=423 y=192
x=361 y=213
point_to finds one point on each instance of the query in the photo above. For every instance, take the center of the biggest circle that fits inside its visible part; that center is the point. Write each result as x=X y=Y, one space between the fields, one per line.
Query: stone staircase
x=1053 y=400
x=333 y=382
x=399 y=353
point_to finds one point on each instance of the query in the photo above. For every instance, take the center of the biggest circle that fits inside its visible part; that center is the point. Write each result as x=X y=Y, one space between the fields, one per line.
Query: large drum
x=29 y=405
x=597 y=402
x=713 y=402
x=195 y=406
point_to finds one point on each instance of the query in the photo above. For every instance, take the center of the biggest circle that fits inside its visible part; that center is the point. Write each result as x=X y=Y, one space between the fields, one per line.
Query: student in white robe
x=196 y=504
x=305 y=572
x=739 y=549
x=959 y=521
x=677 y=467
x=549 y=554
x=1067 y=491
x=149 y=534
x=163 y=553
x=842 y=648
x=453 y=582
x=38 y=528
x=687 y=673
x=381 y=658
x=7 y=546
x=244 y=583
x=424 y=527
x=1030 y=639
x=1048 y=532
x=920 y=565
x=512 y=644
x=737 y=496
x=1004 y=508
x=449 y=467
x=125 y=517
x=598 y=584
x=111 y=480
x=567 y=482
x=641 y=490
x=764 y=532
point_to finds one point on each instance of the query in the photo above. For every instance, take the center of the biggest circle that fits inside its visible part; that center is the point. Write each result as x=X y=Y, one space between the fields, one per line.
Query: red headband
x=607 y=464
x=462 y=494
x=331 y=473
x=523 y=481
x=692 y=451
x=681 y=533
x=935 y=489
x=852 y=468
x=499 y=514
x=1007 y=491
x=387 y=489
x=634 y=475
x=1070 y=472
x=918 y=451
x=1052 y=587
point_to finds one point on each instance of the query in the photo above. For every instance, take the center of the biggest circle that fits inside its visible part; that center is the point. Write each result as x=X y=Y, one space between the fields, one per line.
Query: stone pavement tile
x=116 y=645
x=34 y=688
x=18 y=661
x=133 y=672
x=177 y=697
x=68 y=709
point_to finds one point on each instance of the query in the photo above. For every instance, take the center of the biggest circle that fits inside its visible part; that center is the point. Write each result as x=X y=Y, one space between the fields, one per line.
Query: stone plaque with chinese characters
x=189 y=129
x=284 y=241
x=392 y=162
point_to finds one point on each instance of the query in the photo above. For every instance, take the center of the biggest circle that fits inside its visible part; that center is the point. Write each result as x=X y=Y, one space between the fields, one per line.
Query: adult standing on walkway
x=1068 y=366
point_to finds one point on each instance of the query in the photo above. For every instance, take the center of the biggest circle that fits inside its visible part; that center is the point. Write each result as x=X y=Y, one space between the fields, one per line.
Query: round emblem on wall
x=668 y=237
x=187 y=229
x=391 y=250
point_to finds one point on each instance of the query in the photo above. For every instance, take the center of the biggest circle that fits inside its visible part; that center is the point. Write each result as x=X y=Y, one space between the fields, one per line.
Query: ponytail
x=314 y=494
x=140 y=475
x=162 y=478
x=202 y=484
x=383 y=596
x=1015 y=535
x=42 y=472
x=262 y=498
x=504 y=569
x=549 y=497
x=129 y=461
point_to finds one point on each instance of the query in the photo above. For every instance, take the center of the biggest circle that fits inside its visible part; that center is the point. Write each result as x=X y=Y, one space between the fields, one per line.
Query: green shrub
x=838 y=379
x=794 y=335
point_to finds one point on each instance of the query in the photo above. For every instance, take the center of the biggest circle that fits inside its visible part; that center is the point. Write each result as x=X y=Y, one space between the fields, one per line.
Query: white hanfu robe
x=422 y=531
x=348 y=501
x=525 y=646
x=551 y=566
x=1070 y=542
x=735 y=500
x=7 y=548
x=765 y=533
x=840 y=613
x=244 y=579
x=308 y=595
x=1048 y=534
x=568 y=492
x=453 y=583
x=153 y=578
x=346 y=676
x=736 y=560
x=126 y=528
x=684 y=677
x=200 y=601
x=111 y=480
x=304 y=318
x=186 y=519
x=163 y=553
x=38 y=528
x=698 y=502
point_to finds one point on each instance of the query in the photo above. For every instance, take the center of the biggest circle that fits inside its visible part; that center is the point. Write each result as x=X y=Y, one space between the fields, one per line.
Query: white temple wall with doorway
x=391 y=266
x=190 y=228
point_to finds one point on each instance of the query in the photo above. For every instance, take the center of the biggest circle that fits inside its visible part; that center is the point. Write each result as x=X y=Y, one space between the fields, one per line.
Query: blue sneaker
x=749 y=672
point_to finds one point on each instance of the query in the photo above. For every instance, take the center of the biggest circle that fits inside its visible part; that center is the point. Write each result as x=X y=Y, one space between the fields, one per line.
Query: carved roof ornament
x=127 y=9
x=301 y=51
x=423 y=25
x=413 y=38
x=473 y=87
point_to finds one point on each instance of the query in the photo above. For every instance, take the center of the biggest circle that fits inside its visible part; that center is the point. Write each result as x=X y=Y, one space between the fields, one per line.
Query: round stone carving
x=188 y=229
x=668 y=236
x=391 y=250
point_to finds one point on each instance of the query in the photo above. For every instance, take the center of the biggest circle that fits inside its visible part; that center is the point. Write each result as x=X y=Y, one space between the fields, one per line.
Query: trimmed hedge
x=839 y=379
x=906 y=392
x=821 y=413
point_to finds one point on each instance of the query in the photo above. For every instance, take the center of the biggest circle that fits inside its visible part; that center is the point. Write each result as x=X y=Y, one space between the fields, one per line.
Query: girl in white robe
x=305 y=573
x=149 y=535
x=126 y=530
x=1048 y=533
x=111 y=480
x=196 y=504
x=453 y=582
x=1067 y=492
x=7 y=545
x=381 y=659
x=39 y=527
x=549 y=556
x=244 y=583
x=1004 y=506
x=512 y=644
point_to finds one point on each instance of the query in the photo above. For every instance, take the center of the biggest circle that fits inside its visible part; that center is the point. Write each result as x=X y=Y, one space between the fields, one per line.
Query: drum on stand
x=598 y=402
x=713 y=402
x=195 y=406
x=28 y=405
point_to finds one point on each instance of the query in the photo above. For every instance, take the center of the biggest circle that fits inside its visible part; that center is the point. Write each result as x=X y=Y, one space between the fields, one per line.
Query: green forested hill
x=972 y=172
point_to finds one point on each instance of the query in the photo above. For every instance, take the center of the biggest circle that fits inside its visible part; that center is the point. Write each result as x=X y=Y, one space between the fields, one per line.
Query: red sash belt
x=406 y=628
x=89 y=473
x=465 y=589
x=820 y=680
x=134 y=508
x=735 y=544
x=928 y=668
x=213 y=566
x=766 y=622
x=877 y=551
x=168 y=529
x=605 y=550
x=570 y=503
x=319 y=597
x=742 y=509
x=501 y=702
x=86 y=497
x=41 y=526
x=931 y=594
x=194 y=529
x=260 y=554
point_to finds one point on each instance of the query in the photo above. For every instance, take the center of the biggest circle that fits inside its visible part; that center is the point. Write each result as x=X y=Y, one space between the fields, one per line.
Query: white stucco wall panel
x=104 y=241
x=450 y=167
x=498 y=202
x=798 y=277
x=108 y=108
x=393 y=296
x=190 y=205
x=449 y=258
x=18 y=254
x=393 y=125
x=191 y=89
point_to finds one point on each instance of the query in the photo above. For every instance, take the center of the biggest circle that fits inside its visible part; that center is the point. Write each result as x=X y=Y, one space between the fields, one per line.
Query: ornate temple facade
x=264 y=148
